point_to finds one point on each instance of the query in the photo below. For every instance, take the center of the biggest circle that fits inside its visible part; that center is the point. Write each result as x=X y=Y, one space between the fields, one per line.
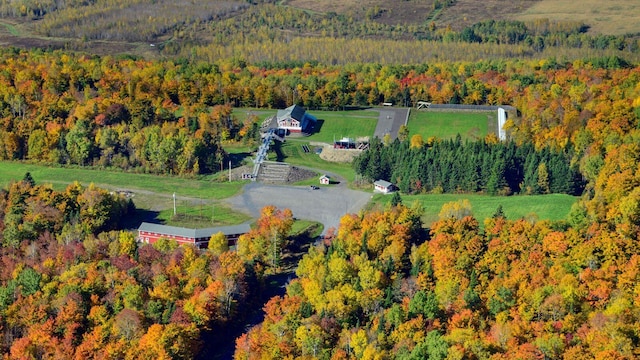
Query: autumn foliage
x=70 y=289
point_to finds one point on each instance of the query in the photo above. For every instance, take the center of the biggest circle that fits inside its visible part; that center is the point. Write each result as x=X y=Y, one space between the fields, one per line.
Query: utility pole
x=229 y=170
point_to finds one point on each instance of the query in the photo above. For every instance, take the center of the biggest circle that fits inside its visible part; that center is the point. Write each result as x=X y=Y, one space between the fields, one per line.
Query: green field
x=60 y=177
x=338 y=124
x=447 y=124
x=152 y=192
x=542 y=207
x=202 y=214
x=293 y=154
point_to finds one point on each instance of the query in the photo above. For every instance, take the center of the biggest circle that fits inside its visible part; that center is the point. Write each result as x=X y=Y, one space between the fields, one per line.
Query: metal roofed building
x=383 y=186
x=150 y=233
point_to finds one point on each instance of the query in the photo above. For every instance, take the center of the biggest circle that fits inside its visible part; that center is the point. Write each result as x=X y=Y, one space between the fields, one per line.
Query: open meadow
x=446 y=124
x=151 y=193
x=612 y=17
x=541 y=207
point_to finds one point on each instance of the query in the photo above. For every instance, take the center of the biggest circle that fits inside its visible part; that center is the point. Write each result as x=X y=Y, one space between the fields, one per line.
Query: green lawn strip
x=10 y=28
x=300 y=226
x=544 y=207
x=202 y=215
x=294 y=155
x=60 y=177
x=243 y=113
x=446 y=125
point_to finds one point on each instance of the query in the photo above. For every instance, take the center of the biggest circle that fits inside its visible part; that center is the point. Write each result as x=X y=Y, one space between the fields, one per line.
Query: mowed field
x=153 y=195
x=448 y=124
x=338 y=124
x=331 y=124
x=541 y=207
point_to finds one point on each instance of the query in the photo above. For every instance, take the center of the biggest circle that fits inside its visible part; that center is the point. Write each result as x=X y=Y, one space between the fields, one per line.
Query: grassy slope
x=544 y=207
x=294 y=155
x=61 y=177
x=604 y=17
x=152 y=192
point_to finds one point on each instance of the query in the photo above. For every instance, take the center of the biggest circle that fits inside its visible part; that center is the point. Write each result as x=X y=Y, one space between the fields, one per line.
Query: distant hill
x=611 y=17
x=263 y=30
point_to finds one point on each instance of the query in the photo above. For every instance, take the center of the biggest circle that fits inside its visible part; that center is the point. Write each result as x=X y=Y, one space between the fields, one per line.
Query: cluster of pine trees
x=472 y=166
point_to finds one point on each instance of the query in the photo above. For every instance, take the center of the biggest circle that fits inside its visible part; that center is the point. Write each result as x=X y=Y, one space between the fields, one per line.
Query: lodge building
x=149 y=233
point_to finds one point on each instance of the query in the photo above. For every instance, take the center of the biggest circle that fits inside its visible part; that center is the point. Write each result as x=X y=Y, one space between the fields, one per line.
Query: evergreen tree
x=499 y=213
x=29 y=179
x=396 y=199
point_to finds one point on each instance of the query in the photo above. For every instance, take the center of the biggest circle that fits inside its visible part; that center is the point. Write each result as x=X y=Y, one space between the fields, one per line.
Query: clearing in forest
x=448 y=124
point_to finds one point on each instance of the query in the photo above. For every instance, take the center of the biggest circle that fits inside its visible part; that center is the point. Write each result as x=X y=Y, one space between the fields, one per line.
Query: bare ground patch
x=337 y=155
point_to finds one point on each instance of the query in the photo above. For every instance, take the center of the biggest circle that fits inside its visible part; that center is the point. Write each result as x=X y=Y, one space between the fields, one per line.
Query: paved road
x=325 y=205
x=389 y=122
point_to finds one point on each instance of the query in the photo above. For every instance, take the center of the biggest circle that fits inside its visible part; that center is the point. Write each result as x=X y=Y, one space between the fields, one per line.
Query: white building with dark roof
x=295 y=119
x=383 y=186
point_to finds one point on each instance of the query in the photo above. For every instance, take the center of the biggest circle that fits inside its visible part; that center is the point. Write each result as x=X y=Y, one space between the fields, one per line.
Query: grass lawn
x=61 y=177
x=202 y=215
x=545 y=207
x=293 y=154
x=242 y=113
x=338 y=124
x=330 y=125
x=447 y=124
x=300 y=226
x=153 y=192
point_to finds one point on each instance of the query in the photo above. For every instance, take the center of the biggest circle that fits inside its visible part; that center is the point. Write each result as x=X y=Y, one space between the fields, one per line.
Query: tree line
x=172 y=117
x=29 y=210
x=453 y=166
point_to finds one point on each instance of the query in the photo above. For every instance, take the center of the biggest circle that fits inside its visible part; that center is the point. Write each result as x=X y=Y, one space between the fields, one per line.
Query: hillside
x=303 y=30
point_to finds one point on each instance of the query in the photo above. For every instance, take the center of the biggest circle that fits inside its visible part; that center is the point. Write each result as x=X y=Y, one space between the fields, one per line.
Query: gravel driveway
x=325 y=205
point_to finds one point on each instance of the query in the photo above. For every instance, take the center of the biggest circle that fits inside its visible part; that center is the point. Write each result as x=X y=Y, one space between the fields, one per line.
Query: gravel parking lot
x=325 y=205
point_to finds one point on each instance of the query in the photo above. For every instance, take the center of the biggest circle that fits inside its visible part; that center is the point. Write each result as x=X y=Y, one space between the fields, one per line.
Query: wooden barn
x=150 y=233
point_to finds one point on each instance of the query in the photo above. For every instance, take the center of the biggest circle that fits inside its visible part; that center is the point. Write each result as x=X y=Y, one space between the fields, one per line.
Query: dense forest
x=73 y=288
x=381 y=286
x=507 y=290
x=453 y=166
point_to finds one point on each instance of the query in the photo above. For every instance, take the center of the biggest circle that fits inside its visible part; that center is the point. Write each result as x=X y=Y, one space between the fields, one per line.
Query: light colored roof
x=382 y=183
x=194 y=233
x=294 y=111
